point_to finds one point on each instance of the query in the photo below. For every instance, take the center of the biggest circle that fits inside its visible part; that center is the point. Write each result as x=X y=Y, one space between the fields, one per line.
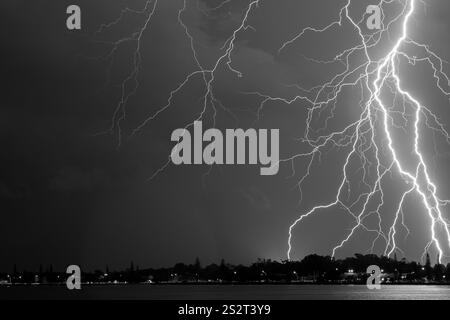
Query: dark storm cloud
x=72 y=178
x=256 y=198
x=71 y=196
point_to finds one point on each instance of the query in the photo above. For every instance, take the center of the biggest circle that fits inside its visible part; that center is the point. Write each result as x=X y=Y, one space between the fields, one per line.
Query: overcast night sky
x=69 y=194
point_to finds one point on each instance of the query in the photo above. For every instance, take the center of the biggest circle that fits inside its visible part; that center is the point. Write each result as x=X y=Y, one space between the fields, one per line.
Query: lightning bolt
x=376 y=76
x=207 y=74
x=368 y=141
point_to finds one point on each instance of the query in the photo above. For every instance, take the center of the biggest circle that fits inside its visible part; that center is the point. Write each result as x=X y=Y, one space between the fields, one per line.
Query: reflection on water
x=229 y=292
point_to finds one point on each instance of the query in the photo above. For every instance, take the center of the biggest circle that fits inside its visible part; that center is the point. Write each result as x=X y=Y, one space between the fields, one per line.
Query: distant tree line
x=312 y=269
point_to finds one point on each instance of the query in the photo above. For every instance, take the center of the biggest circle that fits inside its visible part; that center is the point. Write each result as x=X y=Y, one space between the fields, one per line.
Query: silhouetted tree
x=438 y=271
x=224 y=271
x=428 y=268
x=447 y=272
x=197 y=265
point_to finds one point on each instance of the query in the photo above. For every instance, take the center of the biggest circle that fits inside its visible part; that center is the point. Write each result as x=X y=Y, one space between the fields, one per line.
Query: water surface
x=229 y=292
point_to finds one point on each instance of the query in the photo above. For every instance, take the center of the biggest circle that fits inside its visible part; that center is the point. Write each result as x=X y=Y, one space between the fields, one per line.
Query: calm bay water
x=229 y=292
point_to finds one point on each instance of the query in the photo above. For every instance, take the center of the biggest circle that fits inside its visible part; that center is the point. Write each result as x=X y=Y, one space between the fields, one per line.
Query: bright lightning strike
x=370 y=140
x=361 y=135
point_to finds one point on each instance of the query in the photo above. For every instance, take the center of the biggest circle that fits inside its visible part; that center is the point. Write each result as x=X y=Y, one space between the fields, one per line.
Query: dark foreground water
x=228 y=292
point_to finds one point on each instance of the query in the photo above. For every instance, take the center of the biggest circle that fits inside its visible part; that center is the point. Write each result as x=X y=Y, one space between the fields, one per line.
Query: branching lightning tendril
x=368 y=139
